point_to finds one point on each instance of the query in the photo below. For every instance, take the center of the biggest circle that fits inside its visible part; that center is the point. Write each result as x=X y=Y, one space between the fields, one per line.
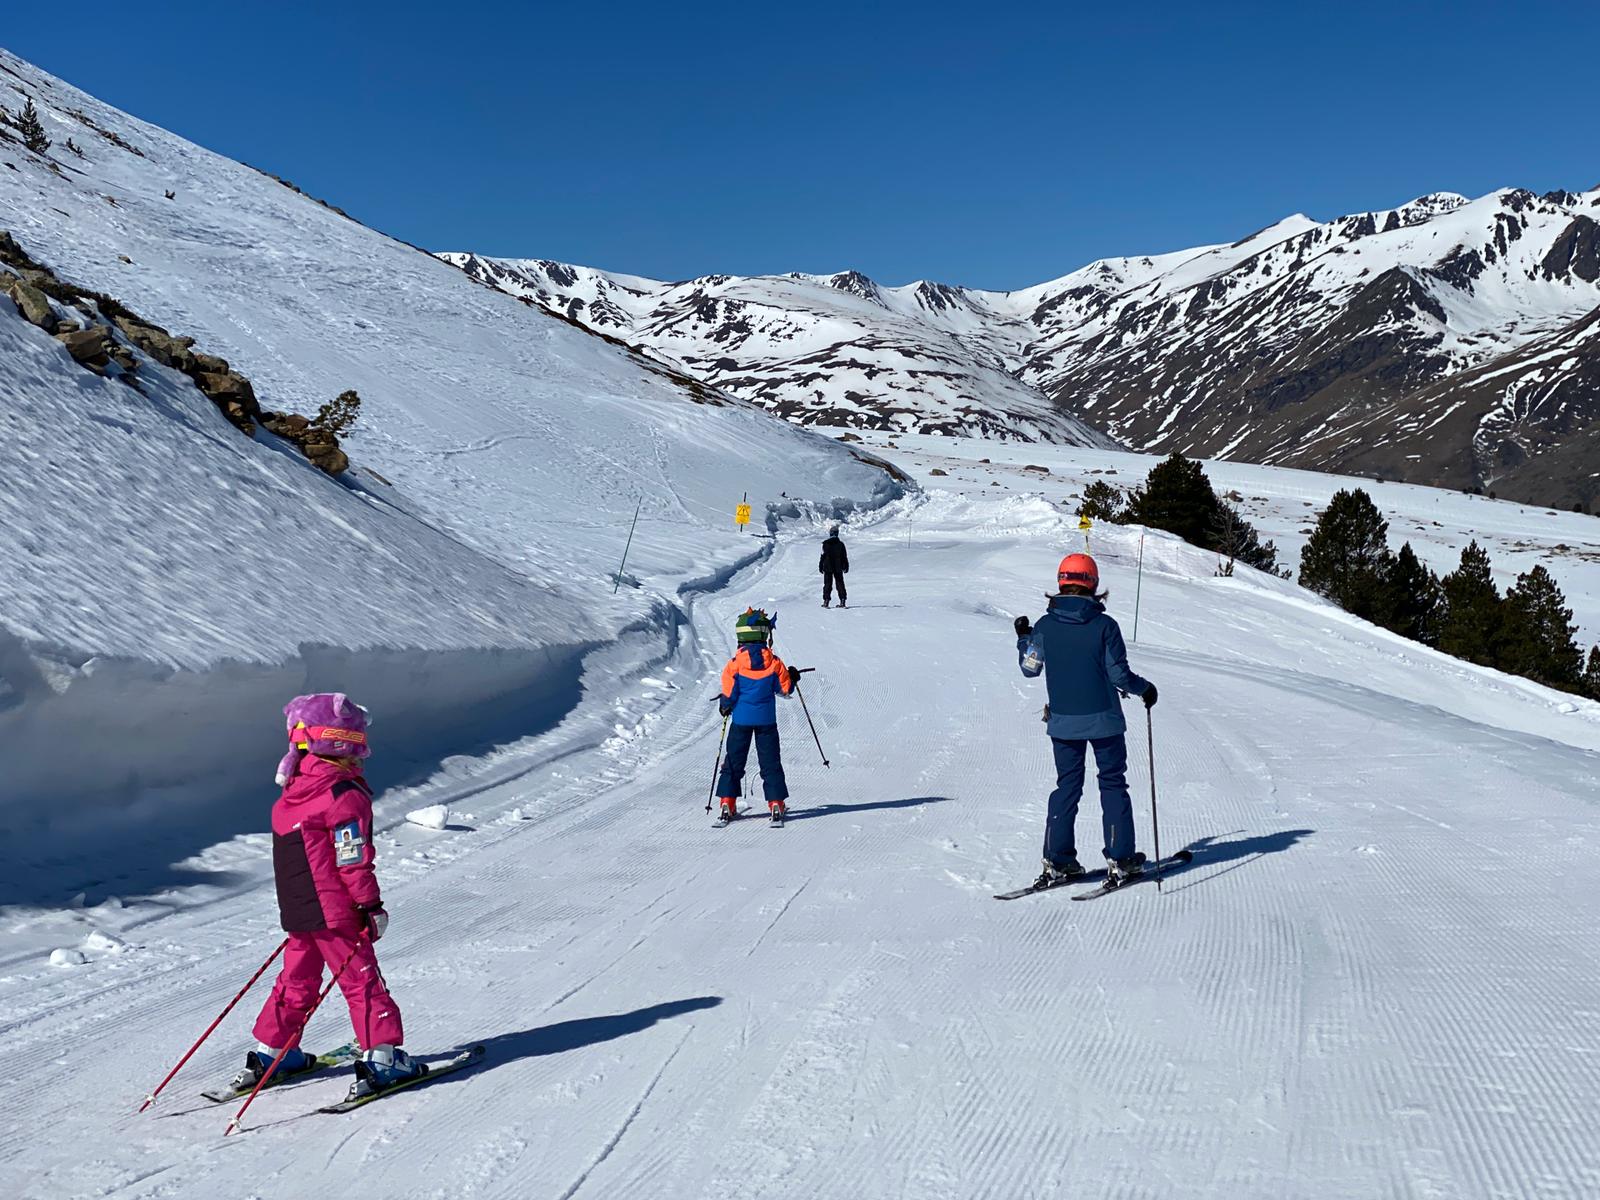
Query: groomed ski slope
x=1378 y=978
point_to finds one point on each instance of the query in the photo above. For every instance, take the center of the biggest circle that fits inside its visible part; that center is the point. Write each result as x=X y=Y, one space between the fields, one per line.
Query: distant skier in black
x=834 y=566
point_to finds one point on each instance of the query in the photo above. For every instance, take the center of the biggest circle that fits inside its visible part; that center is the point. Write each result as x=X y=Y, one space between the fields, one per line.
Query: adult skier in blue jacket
x=1085 y=664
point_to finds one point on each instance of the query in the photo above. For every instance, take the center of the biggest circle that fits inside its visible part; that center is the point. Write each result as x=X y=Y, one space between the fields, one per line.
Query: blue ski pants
x=768 y=751
x=1116 y=807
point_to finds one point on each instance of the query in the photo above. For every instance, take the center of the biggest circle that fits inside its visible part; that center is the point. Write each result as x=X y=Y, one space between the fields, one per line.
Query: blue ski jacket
x=1085 y=664
x=752 y=682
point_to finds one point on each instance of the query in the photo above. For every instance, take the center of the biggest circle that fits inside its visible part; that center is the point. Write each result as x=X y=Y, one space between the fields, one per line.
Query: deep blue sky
x=996 y=145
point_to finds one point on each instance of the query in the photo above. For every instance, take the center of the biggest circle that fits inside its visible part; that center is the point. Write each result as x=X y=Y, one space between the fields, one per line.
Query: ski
x=1182 y=856
x=434 y=1071
x=345 y=1054
x=1049 y=887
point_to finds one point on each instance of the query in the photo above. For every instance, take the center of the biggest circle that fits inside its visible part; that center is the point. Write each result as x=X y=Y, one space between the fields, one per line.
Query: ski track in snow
x=1376 y=979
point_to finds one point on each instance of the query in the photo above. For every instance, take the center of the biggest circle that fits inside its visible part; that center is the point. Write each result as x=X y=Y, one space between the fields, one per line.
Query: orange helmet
x=1078 y=570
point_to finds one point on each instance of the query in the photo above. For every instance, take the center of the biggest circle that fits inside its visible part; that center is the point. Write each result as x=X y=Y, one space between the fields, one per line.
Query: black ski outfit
x=834 y=566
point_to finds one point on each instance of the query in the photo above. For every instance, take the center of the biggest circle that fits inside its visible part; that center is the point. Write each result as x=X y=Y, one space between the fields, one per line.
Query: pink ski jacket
x=322 y=852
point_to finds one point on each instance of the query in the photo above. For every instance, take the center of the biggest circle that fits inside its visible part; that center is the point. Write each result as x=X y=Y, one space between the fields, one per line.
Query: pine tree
x=1239 y=540
x=1178 y=497
x=1414 y=600
x=1591 y=675
x=32 y=129
x=1471 y=628
x=1102 y=502
x=338 y=416
x=1347 y=555
x=1537 y=633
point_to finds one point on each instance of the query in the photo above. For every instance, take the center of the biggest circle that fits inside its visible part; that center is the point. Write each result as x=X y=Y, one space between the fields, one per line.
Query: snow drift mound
x=172 y=581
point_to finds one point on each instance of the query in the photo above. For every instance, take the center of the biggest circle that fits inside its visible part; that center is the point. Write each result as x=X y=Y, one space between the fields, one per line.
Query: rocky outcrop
x=321 y=447
x=158 y=344
x=34 y=306
x=111 y=336
x=91 y=347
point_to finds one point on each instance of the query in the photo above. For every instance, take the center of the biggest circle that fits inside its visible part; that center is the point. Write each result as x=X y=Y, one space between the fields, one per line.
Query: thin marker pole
x=1138 y=589
x=629 y=544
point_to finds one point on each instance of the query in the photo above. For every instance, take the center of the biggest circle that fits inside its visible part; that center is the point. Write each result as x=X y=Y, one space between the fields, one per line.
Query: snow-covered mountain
x=827 y=350
x=1447 y=341
x=160 y=569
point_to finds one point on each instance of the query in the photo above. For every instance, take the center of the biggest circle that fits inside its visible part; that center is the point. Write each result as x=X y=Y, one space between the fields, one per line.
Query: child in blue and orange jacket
x=752 y=682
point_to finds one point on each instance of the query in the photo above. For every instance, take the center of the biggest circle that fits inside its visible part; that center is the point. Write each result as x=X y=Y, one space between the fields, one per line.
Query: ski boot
x=1055 y=874
x=381 y=1068
x=1119 y=871
x=728 y=811
x=257 y=1062
x=827 y=604
x=776 y=811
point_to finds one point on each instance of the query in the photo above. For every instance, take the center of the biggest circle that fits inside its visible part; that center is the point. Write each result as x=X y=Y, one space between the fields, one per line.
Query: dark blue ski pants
x=768 y=751
x=1116 y=807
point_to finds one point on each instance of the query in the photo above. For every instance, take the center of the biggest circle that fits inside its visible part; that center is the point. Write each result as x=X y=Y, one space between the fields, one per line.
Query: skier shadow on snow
x=587 y=1031
x=834 y=810
x=1239 y=852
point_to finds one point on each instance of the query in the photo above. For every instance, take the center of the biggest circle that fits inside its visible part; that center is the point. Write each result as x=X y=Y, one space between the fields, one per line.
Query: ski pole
x=1155 y=822
x=717 y=769
x=150 y=1099
x=295 y=1040
x=807 y=710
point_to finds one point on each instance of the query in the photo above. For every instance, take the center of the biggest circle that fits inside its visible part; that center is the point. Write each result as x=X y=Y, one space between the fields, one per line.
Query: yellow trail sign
x=741 y=515
x=1085 y=524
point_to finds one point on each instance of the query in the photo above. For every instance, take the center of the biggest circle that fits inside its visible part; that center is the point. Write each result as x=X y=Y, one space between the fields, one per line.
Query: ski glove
x=724 y=706
x=377 y=922
x=1150 y=696
x=1023 y=627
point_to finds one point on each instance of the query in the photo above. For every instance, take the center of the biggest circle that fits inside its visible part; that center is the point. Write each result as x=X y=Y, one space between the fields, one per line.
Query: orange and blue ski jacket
x=752 y=682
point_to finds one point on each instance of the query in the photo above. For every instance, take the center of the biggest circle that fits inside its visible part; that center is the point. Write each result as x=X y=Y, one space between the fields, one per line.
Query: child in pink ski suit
x=328 y=897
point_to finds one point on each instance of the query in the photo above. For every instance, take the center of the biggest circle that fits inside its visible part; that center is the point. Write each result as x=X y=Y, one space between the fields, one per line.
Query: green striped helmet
x=753 y=626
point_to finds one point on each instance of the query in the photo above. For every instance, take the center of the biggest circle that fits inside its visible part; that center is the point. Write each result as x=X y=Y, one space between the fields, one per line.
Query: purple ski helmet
x=325 y=723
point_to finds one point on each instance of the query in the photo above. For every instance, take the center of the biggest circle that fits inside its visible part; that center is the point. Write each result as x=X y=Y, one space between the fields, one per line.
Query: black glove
x=376 y=921
x=724 y=705
x=1023 y=627
x=1150 y=696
